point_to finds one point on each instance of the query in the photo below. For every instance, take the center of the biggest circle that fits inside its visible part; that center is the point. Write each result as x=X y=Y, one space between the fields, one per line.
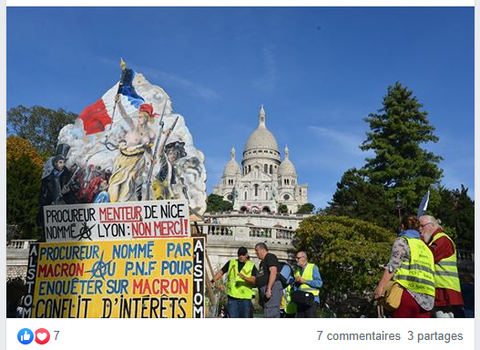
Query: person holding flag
x=96 y=117
x=134 y=146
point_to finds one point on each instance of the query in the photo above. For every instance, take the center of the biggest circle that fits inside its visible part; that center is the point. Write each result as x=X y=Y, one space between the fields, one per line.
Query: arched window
x=265 y=168
x=255 y=187
x=271 y=169
x=246 y=195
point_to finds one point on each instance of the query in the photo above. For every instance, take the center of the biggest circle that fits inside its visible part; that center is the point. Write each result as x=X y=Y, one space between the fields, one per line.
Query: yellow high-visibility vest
x=417 y=274
x=308 y=275
x=236 y=286
x=290 y=306
x=446 y=271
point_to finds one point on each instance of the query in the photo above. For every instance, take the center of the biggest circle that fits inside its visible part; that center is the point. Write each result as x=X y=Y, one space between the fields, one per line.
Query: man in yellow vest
x=447 y=293
x=241 y=275
x=307 y=279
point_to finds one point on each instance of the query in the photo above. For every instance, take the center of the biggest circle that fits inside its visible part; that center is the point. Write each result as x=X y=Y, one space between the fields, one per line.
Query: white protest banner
x=113 y=221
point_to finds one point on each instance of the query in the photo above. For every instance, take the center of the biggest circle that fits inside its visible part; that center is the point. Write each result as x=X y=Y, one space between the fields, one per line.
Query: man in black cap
x=241 y=274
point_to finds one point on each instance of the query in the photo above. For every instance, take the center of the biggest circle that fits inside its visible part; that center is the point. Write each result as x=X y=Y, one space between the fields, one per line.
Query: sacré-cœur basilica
x=263 y=181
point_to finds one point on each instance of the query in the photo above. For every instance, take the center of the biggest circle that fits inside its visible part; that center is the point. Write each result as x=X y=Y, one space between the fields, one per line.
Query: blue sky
x=318 y=72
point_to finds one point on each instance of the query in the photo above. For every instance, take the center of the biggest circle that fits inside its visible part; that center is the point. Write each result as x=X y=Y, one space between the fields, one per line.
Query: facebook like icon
x=25 y=336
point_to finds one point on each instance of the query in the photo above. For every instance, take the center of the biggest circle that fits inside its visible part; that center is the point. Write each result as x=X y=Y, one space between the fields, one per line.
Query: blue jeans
x=238 y=308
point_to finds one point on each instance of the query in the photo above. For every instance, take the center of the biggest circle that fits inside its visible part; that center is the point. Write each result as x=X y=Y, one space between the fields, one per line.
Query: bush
x=349 y=253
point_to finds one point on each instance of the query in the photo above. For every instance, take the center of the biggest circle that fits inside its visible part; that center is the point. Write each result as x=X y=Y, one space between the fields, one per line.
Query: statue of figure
x=102 y=195
x=135 y=145
x=58 y=187
x=166 y=177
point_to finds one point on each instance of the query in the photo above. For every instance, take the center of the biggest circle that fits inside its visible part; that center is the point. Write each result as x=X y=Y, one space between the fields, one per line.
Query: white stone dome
x=232 y=168
x=287 y=168
x=261 y=138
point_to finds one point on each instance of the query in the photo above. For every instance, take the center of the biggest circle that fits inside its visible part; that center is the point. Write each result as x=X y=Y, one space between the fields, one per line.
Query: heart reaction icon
x=42 y=336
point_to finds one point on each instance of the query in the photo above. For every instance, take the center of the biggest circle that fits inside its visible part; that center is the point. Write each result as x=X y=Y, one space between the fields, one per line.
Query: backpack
x=285 y=274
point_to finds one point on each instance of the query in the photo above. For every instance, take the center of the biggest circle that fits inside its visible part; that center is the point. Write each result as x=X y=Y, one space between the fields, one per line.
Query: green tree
x=400 y=164
x=456 y=210
x=23 y=185
x=283 y=209
x=307 y=208
x=358 y=198
x=349 y=253
x=215 y=204
x=39 y=125
x=17 y=146
x=400 y=167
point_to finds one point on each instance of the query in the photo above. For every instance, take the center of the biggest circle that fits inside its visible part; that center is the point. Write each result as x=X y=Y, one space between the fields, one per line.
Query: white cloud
x=193 y=88
x=349 y=142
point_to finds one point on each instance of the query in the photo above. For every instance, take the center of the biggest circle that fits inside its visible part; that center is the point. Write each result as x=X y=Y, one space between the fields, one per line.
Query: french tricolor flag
x=96 y=117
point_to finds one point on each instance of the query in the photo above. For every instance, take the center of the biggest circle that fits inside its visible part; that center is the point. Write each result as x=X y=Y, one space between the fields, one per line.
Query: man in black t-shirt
x=268 y=283
x=241 y=275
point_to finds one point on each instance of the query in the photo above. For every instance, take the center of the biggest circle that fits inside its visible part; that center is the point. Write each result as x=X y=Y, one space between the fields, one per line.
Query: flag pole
x=123 y=66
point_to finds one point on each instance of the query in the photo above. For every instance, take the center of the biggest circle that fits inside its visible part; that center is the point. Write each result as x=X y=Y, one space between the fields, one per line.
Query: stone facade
x=17 y=258
x=264 y=181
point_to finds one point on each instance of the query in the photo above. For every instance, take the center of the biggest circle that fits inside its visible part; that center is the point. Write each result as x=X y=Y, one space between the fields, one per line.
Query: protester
x=448 y=292
x=307 y=279
x=410 y=265
x=269 y=286
x=241 y=274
